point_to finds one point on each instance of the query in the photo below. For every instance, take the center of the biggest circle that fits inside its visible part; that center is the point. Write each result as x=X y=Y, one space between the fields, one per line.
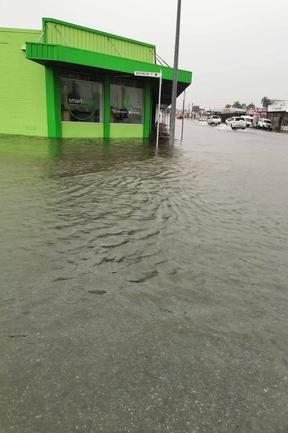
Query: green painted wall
x=82 y=130
x=147 y=109
x=62 y=33
x=53 y=99
x=107 y=107
x=22 y=86
x=124 y=130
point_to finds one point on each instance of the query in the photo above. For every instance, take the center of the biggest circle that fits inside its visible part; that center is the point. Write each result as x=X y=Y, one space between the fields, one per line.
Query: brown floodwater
x=144 y=292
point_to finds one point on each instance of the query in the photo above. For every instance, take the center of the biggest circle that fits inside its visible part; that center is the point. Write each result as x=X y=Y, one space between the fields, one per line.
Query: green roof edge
x=98 y=32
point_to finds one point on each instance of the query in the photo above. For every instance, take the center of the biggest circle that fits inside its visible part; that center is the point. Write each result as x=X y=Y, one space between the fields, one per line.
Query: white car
x=214 y=120
x=248 y=120
x=236 y=122
x=264 y=124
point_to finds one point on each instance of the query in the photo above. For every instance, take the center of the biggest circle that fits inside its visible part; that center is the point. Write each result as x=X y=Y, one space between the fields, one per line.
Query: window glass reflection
x=127 y=101
x=81 y=100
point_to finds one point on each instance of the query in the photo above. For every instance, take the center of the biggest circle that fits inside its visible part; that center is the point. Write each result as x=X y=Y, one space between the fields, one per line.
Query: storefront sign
x=75 y=101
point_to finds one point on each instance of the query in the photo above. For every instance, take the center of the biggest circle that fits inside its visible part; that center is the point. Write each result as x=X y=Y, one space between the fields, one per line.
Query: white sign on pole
x=147 y=74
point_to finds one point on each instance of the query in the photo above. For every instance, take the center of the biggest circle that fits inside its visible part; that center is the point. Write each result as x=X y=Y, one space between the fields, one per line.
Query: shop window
x=127 y=102
x=81 y=99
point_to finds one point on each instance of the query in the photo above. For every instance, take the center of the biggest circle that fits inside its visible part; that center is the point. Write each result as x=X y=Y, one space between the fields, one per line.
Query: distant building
x=278 y=114
x=71 y=81
x=232 y=111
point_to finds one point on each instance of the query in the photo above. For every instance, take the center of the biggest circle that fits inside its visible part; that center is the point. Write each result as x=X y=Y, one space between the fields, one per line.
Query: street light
x=175 y=76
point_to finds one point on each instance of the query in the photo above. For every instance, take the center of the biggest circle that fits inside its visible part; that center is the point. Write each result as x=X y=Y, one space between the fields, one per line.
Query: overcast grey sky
x=237 y=50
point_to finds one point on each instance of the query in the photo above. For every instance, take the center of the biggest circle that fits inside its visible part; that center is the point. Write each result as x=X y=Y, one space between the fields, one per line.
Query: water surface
x=143 y=292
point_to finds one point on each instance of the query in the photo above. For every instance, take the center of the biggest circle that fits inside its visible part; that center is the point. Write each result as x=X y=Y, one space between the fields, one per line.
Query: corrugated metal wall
x=63 y=34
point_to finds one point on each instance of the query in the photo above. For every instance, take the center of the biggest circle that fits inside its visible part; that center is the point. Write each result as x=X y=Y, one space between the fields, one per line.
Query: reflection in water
x=188 y=250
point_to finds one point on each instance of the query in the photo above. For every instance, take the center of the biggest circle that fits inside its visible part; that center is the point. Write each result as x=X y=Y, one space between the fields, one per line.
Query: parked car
x=236 y=122
x=248 y=120
x=264 y=124
x=214 y=120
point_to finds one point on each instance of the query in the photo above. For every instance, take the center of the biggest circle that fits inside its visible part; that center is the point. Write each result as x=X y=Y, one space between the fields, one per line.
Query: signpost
x=154 y=75
x=183 y=112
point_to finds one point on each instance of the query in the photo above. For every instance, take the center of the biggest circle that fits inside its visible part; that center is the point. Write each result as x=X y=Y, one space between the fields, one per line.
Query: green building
x=71 y=81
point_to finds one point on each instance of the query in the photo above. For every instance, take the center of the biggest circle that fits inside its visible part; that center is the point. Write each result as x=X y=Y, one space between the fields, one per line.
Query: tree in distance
x=265 y=101
x=250 y=106
x=237 y=104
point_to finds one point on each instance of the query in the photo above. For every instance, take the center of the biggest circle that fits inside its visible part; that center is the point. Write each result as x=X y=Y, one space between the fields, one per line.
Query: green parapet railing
x=63 y=33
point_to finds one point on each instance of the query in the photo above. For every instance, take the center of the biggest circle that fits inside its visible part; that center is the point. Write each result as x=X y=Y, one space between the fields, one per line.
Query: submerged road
x=144 y=294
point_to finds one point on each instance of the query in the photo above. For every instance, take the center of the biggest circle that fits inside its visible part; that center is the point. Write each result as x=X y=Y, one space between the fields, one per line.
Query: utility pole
x=175 y=76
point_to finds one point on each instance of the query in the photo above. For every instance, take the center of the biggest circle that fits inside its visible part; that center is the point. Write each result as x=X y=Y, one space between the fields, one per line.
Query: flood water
x=144 y=293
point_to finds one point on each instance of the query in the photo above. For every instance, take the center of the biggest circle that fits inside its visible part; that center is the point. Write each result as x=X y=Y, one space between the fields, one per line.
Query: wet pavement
x=144 y=293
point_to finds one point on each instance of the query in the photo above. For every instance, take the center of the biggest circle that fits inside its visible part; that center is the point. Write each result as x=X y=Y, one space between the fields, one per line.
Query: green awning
x=49 y=54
